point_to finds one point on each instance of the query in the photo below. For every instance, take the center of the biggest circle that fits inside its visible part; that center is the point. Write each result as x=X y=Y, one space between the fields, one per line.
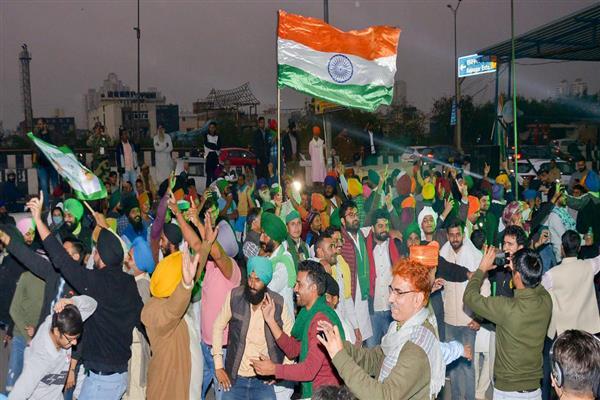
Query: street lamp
x=457 y=130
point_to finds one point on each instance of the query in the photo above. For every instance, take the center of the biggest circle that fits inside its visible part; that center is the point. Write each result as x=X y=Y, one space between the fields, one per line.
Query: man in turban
x=136 y=227
x=248 y=335
x=173 y=363
x=274 y=233
x=73 y=227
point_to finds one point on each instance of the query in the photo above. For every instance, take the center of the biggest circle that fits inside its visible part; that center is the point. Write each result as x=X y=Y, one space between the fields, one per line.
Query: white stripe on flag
x=378 y=72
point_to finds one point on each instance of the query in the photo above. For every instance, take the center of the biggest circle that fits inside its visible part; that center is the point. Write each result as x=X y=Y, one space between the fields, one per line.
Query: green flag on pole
x=85 y=184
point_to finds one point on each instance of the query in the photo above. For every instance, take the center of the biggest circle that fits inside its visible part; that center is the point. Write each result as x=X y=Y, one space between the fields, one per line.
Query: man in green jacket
x=521 y=324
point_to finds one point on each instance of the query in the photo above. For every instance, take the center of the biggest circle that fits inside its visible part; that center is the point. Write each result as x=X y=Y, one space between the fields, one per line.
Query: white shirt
x=383 y=267
x=372 y=142
x=45 y=367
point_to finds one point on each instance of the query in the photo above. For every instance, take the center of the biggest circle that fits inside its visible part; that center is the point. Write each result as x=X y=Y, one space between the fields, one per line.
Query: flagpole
x=279 y=136
x=514 y=99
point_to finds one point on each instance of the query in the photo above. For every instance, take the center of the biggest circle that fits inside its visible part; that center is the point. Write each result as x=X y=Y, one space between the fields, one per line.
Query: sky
x=189 y=47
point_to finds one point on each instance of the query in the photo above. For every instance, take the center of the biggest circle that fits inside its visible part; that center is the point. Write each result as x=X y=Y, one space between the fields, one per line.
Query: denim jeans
x=209 y=373
x=15 y=363
x=462 y=371
x=47 y=181
x=249 y=389
x=104 y=387
x=130 y=176
x=500 y=395
x=380 y=321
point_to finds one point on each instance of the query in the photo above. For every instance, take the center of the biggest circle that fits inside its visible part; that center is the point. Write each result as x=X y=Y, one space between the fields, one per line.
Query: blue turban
x=142 y=255
x=330 y=181
x=530 y=194
x=263 y=268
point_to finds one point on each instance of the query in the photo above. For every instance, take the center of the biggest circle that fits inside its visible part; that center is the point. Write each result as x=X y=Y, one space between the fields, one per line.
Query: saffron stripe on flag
x=371 y=43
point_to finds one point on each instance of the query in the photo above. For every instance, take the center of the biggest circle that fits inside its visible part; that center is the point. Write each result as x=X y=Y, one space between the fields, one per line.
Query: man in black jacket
x=108 y=337
x=212 y=147
x=261 y=147
x=291 y=145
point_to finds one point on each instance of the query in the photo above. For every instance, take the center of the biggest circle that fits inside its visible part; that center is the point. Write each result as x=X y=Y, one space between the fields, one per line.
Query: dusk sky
x=189 y=47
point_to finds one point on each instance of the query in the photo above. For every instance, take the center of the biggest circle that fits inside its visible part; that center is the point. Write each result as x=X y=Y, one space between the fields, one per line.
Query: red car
x=237 y=157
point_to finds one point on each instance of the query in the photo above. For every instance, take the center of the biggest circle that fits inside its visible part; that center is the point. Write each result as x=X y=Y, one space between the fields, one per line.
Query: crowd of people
x=369 y=284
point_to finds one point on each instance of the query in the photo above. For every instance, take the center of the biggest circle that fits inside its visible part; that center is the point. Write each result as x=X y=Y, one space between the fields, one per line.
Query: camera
x=501 y=259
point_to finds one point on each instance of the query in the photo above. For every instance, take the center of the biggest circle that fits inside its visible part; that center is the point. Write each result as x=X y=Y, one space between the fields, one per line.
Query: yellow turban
x=166 y=276
x=354 y=187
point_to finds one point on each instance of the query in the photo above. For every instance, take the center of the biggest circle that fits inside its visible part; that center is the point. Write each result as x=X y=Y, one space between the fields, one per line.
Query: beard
x=329 y=195
x=456 y=245
x=137 y=224
x=382 y=237
x=268 y=247
x=353 y=228
x=70 y=226
x=254 y=297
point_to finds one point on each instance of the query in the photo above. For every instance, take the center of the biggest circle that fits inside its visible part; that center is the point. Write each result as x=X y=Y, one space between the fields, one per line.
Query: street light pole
x=457 y=127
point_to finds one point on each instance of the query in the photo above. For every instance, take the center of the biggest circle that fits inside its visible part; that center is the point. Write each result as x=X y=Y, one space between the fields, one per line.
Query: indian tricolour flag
x=85 y=184
x=354 y=69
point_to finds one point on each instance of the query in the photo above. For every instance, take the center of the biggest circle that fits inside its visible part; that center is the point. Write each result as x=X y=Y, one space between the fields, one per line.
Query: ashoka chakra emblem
x=340 y=68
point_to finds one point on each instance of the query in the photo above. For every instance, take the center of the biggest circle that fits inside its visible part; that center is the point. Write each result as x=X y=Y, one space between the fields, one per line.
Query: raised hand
x=268 y=309
x=487 y=262
x=189 y=266
x=35 y=206
x=61 y=303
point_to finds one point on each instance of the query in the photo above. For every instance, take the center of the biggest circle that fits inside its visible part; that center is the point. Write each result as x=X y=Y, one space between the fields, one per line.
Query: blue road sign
x=476 y=65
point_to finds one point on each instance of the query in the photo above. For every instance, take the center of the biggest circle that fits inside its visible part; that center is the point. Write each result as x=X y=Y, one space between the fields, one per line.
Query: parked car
x=195 y=170
x=529 y=151
x=442 y=153
x=411 y=153
x=237 y=157
x=529 y=168
x=561 y=146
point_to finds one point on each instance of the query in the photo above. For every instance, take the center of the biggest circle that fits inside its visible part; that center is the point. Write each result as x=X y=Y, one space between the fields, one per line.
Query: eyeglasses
x=399 y=292
x=69 y=340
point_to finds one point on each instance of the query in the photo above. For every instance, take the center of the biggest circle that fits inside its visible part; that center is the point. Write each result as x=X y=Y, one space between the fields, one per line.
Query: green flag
x=85 y=184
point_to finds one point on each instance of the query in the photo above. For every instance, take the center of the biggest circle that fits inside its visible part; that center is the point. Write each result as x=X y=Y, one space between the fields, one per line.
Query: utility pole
x=138 y=31
x=326 y=10
x=457 y=127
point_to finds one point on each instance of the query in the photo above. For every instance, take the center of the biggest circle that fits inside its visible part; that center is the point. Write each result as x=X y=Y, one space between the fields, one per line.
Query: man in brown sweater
x=170 y=369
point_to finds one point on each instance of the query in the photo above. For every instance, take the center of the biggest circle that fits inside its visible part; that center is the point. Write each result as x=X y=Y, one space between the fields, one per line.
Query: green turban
x=374 y=177
x=222 y=184
x=292 y=216
x=268 y=207
x=412 y=228
x=273 y=227
x=262 y=267
x=75 y=208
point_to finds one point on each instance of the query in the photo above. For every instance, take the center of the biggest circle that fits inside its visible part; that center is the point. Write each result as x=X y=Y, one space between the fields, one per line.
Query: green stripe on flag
x=367 y=97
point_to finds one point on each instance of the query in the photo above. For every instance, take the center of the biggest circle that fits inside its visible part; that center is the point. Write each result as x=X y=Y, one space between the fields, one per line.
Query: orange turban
x=408 y=202
x=473 y=205
x=426 y=255
x=316 y=130
x=179 y=194
x=143 y=198
x=318 y=202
